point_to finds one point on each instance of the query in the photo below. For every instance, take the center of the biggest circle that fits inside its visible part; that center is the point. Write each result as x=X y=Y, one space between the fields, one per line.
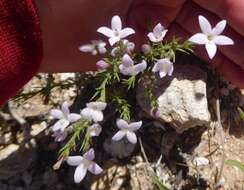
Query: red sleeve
x=20 y=45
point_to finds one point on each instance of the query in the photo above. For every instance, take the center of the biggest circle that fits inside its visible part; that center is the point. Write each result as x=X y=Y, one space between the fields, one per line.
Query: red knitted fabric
x=20 y=45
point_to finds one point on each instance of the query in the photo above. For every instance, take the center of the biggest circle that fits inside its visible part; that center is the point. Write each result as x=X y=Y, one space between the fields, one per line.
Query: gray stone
x=182 y=98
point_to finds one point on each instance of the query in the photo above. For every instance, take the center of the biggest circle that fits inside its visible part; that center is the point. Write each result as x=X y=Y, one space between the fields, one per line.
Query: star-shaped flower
x=94 y=130
x=83 y=164
x=116 y=33
x=210 y=37
x=64 y=116
x=158 y=33
x=127 y=130
x=93 y=111
x=96 y=46
x=164 y=67
x=127 y=66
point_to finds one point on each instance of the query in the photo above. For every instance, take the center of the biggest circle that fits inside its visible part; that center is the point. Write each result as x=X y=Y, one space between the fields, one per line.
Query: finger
x=223 y=65
x=145 y=14
x=231 y=10
x=191 y=10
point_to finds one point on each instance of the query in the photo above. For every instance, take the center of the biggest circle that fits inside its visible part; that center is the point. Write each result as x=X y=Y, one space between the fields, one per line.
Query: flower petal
x=60 y=125
x=119 y=135
x=74 y=160
x=135 y=126
x=125 y=70
x=113 y=40
x=89 y=155
x=158 y=29
x=162 y=74
x=201 y=161
x=171 y=70
x=205 y=25
x=116 y=23
x=211 y=49
x=223 y=40
x=122 y=124
x=140 y=67
x=131 y=136
x=95 y=168
x=57 y=114
x=106 y=31
x=94 y=130
x=152 y=38
x=86 y=113
x=156 y=67
x=127 y=61
x=65 y=108
x=219 y=28
x=126 y=32
x=73 y=117
x=60 y=135
x=98 y=105
x=87 y=48
x=199 y=38
x=97 y=116
x=80 y=173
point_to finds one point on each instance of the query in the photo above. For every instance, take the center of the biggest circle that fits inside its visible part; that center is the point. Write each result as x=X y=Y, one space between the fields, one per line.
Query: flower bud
x=146 y=48
x=102 y=65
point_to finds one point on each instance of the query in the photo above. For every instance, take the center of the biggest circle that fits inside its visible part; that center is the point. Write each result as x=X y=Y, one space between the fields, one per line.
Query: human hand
x=181 y=18
x=68 y=24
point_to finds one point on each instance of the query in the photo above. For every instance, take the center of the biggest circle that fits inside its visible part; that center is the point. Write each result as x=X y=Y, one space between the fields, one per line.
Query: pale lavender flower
x=64 y=116
x=164 y=67
x=83 y=164
x=93 y=111
x=127 y=130
x=96 y=46
x=210 y=37
x=59 y=135
x=116 y=33
x=158 y=33
x=102 y=65
x=94 y=130
x=127 y=66
x=145 y=48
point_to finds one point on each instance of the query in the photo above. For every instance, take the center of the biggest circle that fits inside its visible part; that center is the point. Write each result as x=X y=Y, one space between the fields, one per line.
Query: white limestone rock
x=182 y=98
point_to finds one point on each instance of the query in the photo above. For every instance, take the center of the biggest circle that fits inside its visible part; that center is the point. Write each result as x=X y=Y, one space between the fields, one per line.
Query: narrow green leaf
x=235 y=163
x=241 y=112
x=158 y=183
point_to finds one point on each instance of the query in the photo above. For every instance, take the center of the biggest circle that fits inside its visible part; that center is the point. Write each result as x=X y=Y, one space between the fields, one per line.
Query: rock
x=182 y=98
x=120 y=149
x=115 y=177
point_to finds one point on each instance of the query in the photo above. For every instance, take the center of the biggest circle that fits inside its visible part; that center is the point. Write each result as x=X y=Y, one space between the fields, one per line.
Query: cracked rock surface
x=182 y=98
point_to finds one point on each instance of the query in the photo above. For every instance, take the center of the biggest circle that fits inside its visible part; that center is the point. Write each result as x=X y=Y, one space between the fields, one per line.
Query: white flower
x=116 y=33
x=96 y=46
x=210 y=37
x=127 y=130
x=64 y=116
x=164 y=67
x=93 y=111
x=83 y=164
x=94 y=130
x=201 y=161
x=127 y=66
x=158 y=33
